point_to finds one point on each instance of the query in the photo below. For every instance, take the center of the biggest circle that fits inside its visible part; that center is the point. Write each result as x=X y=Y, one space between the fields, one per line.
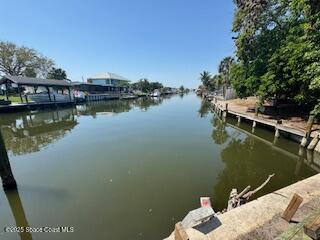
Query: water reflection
x=145 y=103
x=219 y=132
x=249 y=158
x=8 y=181
x=11 y=192
x=30 y=132
x=127 y=163
x=18 y=213
x=114 y=107
x=204 y=109
x=107 y=108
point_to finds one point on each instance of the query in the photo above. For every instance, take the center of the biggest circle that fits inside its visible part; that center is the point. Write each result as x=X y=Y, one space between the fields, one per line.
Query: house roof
x=20 y=80
x=108 y=75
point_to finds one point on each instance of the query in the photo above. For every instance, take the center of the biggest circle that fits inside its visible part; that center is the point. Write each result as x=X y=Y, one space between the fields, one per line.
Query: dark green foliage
x=205 y=78
x=145 y=86
x=222 y=79
x=57 y=73
x=278 y=50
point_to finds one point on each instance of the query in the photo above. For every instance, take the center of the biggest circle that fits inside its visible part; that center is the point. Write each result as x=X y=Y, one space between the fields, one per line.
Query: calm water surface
x=124 y=170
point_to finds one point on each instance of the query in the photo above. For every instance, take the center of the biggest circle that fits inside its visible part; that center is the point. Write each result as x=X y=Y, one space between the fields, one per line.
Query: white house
x=108 y=79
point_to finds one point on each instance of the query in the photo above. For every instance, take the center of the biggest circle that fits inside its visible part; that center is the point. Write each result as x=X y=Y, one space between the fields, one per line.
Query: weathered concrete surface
x=296 y=231
x=261 y=218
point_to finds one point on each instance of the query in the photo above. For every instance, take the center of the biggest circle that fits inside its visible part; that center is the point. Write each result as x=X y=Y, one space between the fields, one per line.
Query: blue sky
x=170 y=41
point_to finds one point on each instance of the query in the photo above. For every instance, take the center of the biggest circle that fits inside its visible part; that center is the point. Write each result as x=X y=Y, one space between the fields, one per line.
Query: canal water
x=125 y=170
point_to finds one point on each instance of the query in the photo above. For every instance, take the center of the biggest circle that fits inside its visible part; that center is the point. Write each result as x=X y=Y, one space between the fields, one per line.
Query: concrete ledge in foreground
x=261 y=218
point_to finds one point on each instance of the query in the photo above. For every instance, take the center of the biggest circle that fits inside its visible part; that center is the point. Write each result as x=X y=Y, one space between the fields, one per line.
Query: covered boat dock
x=18 y=83
x=42 y=92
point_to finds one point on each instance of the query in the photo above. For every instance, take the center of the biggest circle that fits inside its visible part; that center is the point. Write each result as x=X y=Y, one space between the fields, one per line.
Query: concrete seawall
x=261 y=218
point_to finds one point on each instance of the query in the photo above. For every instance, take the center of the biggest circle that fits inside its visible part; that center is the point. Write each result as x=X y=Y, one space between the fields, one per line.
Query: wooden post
x=256 y=109
x=254 y=124
x=224 y=115
x=312 y=228
x=309 y=126
x=180 y=233
x=304 y=142
x=317 y=148
x=8 y=181
x=277 y=133
x=7 y=92
x=69 y=94
x=49 y=94
x=313 y=143
x=26 y=97
x=301 y=151
x=19 y=90
x=226 y=107
x=292 y=207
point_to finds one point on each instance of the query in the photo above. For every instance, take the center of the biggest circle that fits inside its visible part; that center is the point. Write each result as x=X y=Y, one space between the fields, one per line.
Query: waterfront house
x=113 y=81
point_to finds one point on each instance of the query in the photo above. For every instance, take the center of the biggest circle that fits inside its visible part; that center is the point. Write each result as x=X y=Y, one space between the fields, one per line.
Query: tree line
x=146 y=86
x=22 y=61
x=277 y=52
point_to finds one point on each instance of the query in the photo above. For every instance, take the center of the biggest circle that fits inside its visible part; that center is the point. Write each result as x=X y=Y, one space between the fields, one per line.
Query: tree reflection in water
x=204 y=108
x=145 y=103
x=30 y=132
x=249 y=161
x=219 y=132
x=106 y=107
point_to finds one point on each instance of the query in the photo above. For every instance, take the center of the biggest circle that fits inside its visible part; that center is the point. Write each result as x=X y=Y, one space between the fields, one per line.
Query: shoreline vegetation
x=274 y=76
x=20 y=61
x=277 y=56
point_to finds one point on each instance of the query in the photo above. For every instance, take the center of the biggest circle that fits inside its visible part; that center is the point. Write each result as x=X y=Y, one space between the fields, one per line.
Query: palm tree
x=205 y=78
x=216 y=81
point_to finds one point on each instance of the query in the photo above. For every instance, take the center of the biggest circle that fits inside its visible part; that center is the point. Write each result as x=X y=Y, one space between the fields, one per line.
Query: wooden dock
x=310 y=158
x=19 y=107
x=102 y=97
x=307 y=138
x=262 y=218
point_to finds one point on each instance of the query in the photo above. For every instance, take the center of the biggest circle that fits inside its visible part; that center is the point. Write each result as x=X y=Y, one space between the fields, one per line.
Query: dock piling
x=313 y=143
x=254 y=124
x=239 y=119
x=8 y=181
x=256 y=109
x=277 y=133
x=305 y=140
